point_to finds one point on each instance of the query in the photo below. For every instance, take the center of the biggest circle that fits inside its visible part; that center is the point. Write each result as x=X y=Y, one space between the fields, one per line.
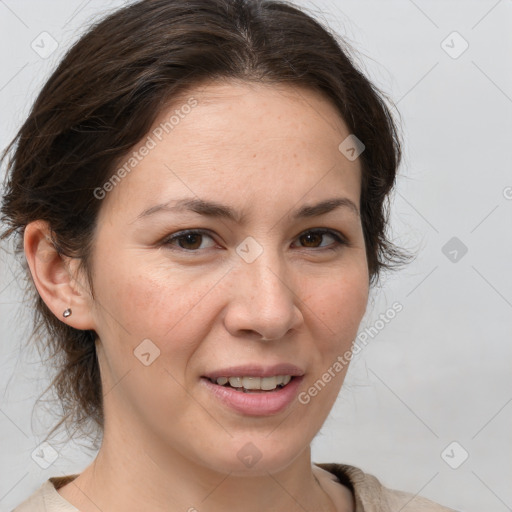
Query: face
x=186 y=293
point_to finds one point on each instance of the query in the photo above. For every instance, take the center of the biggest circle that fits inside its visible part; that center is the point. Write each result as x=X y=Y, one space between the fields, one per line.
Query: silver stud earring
x=66 y=313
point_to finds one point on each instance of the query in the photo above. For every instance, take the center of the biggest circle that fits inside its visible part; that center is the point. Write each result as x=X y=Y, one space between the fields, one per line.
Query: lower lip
x=256 y=404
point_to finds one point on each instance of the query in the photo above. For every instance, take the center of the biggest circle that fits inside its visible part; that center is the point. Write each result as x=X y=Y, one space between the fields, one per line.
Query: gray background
x=439 y=372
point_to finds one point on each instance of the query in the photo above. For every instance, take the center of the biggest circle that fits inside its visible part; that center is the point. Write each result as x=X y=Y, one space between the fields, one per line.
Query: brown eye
x=192 y=240
x=187 y=240
x=312 y=238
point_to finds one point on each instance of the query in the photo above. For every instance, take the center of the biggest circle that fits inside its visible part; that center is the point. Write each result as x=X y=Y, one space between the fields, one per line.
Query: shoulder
x=47 y=499
x=371 y=496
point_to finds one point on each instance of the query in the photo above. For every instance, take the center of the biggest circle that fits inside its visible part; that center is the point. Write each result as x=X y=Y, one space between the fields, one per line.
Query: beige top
x=370 y=495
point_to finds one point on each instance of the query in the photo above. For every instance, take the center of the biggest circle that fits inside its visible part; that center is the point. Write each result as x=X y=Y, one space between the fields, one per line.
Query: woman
x=199 y=192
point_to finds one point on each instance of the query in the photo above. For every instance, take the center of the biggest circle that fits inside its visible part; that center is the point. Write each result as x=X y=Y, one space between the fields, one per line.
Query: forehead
x=275 y=105
x=239 y=139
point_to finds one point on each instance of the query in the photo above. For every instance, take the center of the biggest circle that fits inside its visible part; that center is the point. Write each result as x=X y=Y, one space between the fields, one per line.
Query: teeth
x=254 y=383
x=268 y=383
x=235 y=382
x=251 y=382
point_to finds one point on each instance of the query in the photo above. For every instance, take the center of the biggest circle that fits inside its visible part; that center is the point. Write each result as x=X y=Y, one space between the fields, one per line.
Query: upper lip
x=254 y=370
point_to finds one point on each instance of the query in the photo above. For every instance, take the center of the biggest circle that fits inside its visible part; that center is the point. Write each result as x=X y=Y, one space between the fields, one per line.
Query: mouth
x=247 y=394
x=254 y=389
x=251 y=384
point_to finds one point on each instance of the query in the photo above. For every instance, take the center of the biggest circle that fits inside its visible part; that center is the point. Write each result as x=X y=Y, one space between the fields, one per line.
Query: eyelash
x=340 y=239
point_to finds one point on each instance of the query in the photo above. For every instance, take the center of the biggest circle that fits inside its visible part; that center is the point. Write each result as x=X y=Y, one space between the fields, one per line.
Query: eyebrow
x=218 y=210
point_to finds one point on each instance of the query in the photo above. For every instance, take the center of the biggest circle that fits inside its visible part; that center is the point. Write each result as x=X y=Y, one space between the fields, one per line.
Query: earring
x=67 y=313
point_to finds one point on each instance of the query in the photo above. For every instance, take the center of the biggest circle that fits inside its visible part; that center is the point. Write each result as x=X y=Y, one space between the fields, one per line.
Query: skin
x=168 y=443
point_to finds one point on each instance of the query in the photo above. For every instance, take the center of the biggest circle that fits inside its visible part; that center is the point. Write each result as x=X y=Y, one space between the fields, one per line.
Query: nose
x=263 y=303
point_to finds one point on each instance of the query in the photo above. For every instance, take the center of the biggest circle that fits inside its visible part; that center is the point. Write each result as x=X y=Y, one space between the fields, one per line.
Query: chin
x=256 y=455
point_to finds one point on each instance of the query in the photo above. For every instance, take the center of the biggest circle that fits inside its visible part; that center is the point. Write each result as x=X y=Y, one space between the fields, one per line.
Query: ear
x=56 y=278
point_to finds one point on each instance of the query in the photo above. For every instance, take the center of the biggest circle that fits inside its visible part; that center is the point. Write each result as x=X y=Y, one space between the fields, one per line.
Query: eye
x=311 y=237
x=189 y=240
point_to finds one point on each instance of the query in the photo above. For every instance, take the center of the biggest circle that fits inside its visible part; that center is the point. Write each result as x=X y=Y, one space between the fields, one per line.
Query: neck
x=132 y=476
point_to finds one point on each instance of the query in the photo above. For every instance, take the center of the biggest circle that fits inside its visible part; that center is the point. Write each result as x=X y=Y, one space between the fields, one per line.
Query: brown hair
x=105 y=95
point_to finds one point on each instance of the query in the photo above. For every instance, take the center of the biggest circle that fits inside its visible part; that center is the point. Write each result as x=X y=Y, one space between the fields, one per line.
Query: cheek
x=164 y=308
x=338 y=306
x=147 y=299
x=171 y=308
x=336 y=310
